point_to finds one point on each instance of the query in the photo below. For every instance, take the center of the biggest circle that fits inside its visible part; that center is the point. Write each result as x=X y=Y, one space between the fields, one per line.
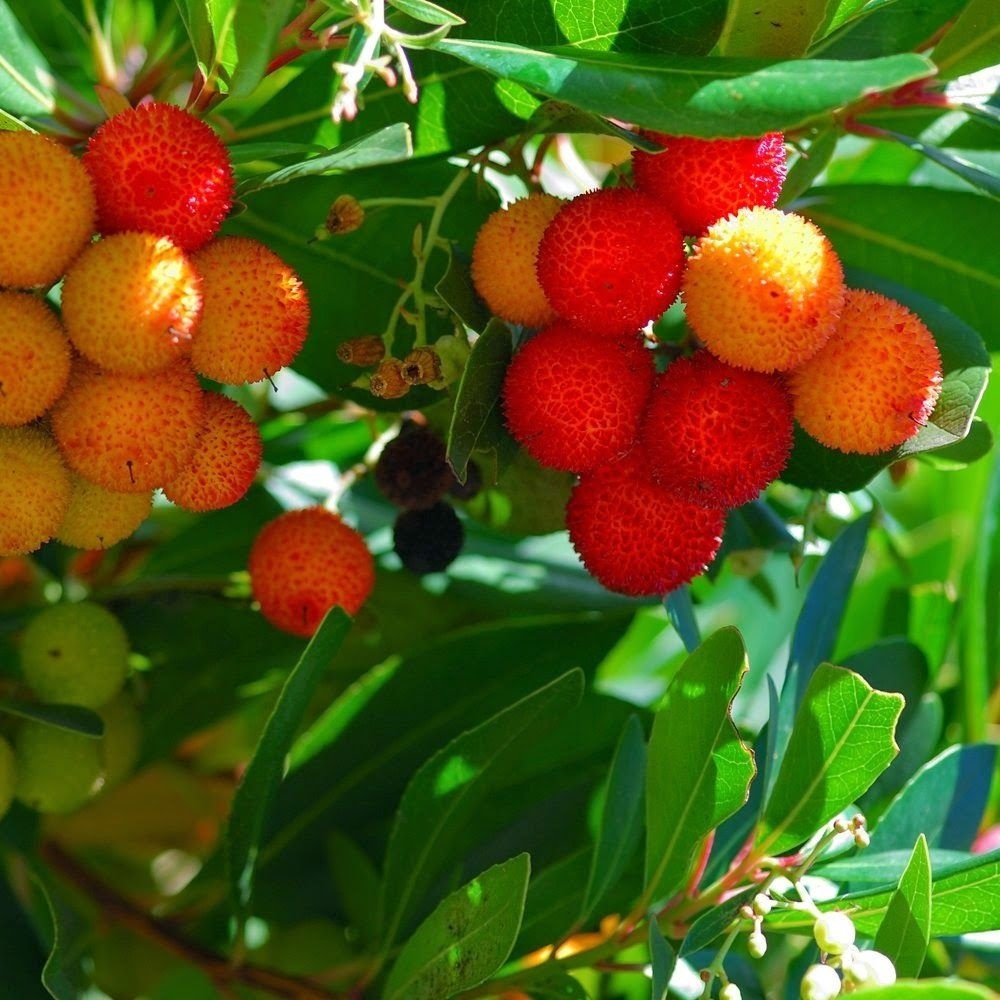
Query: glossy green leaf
x=427 y=12
x=935 y=240
x=621 y=817
x=255 y=30
x=905 y=930
x=27 y=86
x=388 y=145
x=886 y=866
x=810 y=163
x=715 y=921
x=977 y=444
x=777 y=30
x=689 y=96
x=917 y=739
x=841 y=742
x=971 y=43
x=445 y=792
x=555 y=898
x=931 y=989
x=662 y=959
x=75 y=718
x=698 y=770
x=979 y=177
x=680 y=609
x=197 y=21
x=255 y=794
x=466 y=939
x=477 y=423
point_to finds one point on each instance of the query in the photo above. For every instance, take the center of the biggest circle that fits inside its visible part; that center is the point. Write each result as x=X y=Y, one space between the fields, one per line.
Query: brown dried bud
x=345 y=215
x=364 y=352
x=387 y=380
x=422 y=365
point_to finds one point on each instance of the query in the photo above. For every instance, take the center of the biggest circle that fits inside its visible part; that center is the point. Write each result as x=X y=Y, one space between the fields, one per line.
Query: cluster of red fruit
x=101 y=405
x=661 y=457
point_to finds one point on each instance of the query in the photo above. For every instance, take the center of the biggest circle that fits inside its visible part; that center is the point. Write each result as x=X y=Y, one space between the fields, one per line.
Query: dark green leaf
x=255 y=30
x=975 y=445
x=698 y=770
x=662 y=958
x=841 y=742
x=621 y=818
x=466 y=939
x=388 y=145
x=555 y=897
x=67 y=929
x=26 y=81
x=971 y=43
x=905 y=930
x=253 y=152
x=779 y=29
x=714 y=922
x=265 y=771
x=560 y=986
x=886 y=866
x=427 y=12
x=680 y=609
x=917 y=740
x=713 y=98
x=476 y=422
x=810 y=163
x=459 y=294
x=446 y=791
x=21 y=956
x=358 y=885
x=75 y=718
x=556 y=117
x=944 y=801
x=979 y=177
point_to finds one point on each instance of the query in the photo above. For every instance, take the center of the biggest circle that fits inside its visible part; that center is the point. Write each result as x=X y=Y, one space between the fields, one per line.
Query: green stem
x=104 y=60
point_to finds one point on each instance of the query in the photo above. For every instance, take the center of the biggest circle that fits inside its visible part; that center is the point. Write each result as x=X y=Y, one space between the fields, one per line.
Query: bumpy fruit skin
x=131 y=303
x=715 y=434
x=412 y=470
x=764 y=290
x=122 y=739
x=57 y=770
x=34 y=490
x=574 y=399
x=34 y=358
x=611 y=260
x=503 y=260
x=635 y=537
x=129 y=433
x=875 y=383
x=428 y=541
x=98 y=518
x=76 y=654
x=226 y=458
x=158 y=169
x=303 y=563
x=48 y=209
x=8 y=776
x=256 y=312
x=703 y=180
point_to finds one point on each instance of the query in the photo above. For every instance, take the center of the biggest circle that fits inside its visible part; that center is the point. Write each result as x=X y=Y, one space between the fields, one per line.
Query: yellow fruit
x=130 y=433
x=875 y=382
x=503 y=260
x=763 y=290
x=131 y=303
x=98 y=518
x=8 y=776
x=34 y=489
x=57 y=770
x=34 y=358
x=48 y=209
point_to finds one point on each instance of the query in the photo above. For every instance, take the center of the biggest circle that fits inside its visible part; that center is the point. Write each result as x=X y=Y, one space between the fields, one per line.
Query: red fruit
x=158 y=169
x=703 y=180
x=636 y=537
x=611 y=260
x=574 y=399
x=303 y=563
x=714 y=434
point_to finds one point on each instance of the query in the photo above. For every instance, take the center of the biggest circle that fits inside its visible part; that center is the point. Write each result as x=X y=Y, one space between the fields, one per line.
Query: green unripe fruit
x=76 y=654
x=57 y=770
x=834 y=932
x=119 y=747
x=8 y=776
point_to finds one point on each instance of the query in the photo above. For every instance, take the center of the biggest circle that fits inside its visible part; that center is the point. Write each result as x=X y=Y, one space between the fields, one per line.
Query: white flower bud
x=834 y=931
x=861 y=837
x=820 y=982
x=730 y=992
x=757 y=945
x=870 y=968
x=762 y=904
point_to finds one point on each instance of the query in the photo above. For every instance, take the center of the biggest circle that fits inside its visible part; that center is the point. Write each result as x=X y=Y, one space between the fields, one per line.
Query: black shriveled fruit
x=412 y=471
x=427 y=541
x=472 y=485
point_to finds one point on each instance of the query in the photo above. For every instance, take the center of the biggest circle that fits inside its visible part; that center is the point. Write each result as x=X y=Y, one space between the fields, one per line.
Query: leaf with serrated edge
x=905 y=930
x=841 y=742
x=698 y=770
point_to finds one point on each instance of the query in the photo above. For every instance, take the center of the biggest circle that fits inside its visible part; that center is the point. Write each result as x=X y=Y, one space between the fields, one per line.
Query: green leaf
x=75 y=718
x=975 y=445
x=66 y=932
x=699 y=770
x=256 y=791
x=966 y=367
x=427 y=12
x=466 y=939
x=917 y=739
x=197 y=21
x=8 y=123
x=886 y=866
x=680 y=610
x=26 y=82
x=255 y=30
x=663 y=959
x=944 y=801
x=358 y=885
x=905 y=930
x=560 y=986
x=476 y=422
x=715 y=921
x=446 y=791
x=810 y=164
x=931 y=989
x=971 y=43
x=388 y=145
x=21 y=955
x=459 y=294
x=621 y=817
x=712 y=98
x=965 y=899
x=935 y=240
x=979 y=177
x=780 y=29
x=842 y=740
x=555 y=897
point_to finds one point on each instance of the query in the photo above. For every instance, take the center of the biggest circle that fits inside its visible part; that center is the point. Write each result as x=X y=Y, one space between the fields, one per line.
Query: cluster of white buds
x=859 y=968
x=760 y=907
